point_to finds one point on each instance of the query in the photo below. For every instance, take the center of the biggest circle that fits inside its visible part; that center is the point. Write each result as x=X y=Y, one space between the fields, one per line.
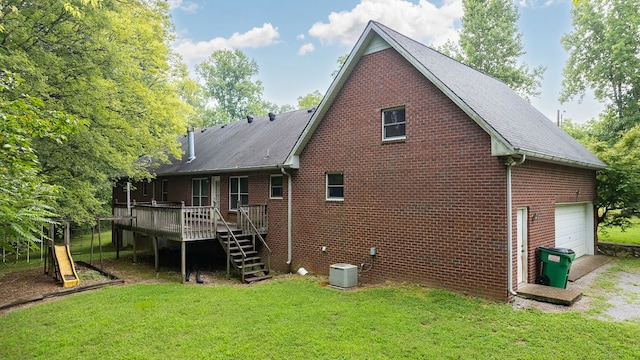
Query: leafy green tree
x=341 y=60
x=229 y=86
x=309 y=100
x=107 y=63
x=25 y=198
x=490 y=42
x=603 y=56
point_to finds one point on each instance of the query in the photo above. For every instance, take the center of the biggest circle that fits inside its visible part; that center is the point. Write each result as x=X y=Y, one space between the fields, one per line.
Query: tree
x=309 y=100
x=228 y=84
x=341 y=60
x=490 y=42
x=107 y=65
x=604 y=49
x=25 y=199
x=603 y=56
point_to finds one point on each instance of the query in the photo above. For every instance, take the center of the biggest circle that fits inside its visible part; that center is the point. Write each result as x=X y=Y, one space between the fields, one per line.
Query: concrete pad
x=549 y=294
x=586 y=264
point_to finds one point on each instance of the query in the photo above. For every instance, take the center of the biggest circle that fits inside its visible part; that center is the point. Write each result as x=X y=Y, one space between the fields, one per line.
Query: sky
x=296 y=43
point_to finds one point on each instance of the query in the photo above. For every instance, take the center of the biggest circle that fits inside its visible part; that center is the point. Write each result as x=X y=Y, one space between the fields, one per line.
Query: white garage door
x=574 y=228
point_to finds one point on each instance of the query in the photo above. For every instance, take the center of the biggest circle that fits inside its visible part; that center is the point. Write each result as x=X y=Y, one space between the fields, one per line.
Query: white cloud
x=300 y=37
x=182 y=5
x=534 y=4
x=255 y=38
x=422 y=21
x=306 y=48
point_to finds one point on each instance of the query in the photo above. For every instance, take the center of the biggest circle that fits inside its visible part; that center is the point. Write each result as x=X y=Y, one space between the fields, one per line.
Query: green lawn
x=80 y=250
x=299 y=318
x=630 y=235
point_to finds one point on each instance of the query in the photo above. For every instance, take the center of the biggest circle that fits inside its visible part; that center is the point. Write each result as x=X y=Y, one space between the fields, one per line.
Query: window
x=144 y=188
x=335 y=186
x=200 y=192
x=165 y=190
x=238 y=192
x=393 y=124
x=276 y=187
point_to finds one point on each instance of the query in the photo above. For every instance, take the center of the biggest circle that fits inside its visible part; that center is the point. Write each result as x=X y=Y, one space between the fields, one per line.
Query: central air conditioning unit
x=343 y=276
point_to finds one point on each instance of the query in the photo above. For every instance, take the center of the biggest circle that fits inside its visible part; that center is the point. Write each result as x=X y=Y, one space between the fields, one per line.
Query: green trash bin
x=556 y=263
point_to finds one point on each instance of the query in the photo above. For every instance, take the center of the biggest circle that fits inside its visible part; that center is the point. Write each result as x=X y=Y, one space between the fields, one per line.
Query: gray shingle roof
x=520 y=124
x=515 y=126
x=240 y=145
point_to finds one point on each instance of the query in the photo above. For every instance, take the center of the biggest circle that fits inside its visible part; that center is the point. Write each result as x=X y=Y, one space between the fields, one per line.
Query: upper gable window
x=393 y=124
x=276 y=187
x=335 y=186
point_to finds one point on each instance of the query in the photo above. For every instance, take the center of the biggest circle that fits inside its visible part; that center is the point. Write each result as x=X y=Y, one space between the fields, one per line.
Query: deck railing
x=255 y=231
x=255 y=217
x=183 y=223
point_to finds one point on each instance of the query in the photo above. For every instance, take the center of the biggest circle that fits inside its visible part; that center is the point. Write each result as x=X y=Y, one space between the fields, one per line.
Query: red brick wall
x=433 y=205
x=539 y=187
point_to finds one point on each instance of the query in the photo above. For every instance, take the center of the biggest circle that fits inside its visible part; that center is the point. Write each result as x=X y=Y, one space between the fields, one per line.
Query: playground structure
x=58 y=261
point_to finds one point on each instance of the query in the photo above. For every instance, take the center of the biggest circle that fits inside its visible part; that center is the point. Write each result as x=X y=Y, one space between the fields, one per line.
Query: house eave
x=273 y=167
x=533 y=155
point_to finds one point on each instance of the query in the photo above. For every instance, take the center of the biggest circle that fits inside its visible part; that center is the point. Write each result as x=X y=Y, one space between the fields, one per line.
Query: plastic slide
x=66 y=267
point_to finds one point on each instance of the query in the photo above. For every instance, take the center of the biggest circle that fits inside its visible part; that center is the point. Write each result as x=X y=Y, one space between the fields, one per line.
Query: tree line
x=89 y=87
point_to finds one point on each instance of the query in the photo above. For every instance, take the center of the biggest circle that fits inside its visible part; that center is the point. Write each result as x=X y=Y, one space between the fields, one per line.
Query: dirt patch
x=34 y=283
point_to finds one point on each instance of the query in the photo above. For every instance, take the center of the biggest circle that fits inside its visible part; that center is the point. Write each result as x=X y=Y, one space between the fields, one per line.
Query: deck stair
x=243 y=256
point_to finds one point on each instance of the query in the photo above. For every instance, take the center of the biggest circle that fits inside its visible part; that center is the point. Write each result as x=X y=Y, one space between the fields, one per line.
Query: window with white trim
x=335 y=186
x=165 y=190
x=275 y=186
x=394 y=124
x=238 y=191
x=200 y=192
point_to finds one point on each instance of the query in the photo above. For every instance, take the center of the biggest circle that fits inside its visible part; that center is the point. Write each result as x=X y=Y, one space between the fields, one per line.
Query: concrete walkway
x=568 y=297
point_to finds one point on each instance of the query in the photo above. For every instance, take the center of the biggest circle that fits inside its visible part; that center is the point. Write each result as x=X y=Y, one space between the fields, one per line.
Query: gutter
x=221 y=171
x=509 y=163
x=289 y=215
x=561 y=161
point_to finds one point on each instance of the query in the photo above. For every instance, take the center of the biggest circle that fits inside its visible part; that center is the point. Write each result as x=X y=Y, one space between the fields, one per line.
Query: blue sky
x=297 y=43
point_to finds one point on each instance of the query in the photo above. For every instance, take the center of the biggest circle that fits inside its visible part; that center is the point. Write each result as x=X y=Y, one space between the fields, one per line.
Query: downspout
x=510 y=162
x=289 y=215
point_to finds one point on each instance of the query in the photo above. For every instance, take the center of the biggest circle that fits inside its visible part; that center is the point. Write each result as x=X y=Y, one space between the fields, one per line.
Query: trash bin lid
x=558 y=250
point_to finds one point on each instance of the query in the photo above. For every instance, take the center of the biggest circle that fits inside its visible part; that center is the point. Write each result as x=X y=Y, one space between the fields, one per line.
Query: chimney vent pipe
x=192 y=146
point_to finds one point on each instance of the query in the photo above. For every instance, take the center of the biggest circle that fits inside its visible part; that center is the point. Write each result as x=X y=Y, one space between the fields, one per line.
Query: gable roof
x=515 y=126
x=241 y=146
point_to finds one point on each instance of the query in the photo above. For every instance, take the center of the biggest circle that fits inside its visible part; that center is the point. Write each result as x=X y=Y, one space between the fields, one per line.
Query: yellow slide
x=66 y=267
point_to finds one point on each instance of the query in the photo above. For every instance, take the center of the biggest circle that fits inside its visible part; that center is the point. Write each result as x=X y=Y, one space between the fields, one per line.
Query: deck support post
x=154 y=243
x=183 y=260
x=135 y=253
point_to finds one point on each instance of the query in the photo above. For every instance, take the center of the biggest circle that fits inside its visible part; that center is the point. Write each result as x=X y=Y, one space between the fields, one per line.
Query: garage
x=574 y=227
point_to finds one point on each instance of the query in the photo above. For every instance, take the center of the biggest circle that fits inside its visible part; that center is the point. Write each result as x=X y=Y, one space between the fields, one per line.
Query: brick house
x=452 y=177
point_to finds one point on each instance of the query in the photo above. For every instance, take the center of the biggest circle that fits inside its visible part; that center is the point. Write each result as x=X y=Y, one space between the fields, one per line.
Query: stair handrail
x=235 y=240
x=245 y=214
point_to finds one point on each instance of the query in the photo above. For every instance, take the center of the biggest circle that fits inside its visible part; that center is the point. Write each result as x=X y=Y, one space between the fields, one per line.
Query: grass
x=80 y=250
x=297 y=318
x=630 y=235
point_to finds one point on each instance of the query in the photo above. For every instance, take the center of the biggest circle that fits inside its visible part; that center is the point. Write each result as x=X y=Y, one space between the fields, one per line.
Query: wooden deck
x=177 y=222
x=183 y=223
